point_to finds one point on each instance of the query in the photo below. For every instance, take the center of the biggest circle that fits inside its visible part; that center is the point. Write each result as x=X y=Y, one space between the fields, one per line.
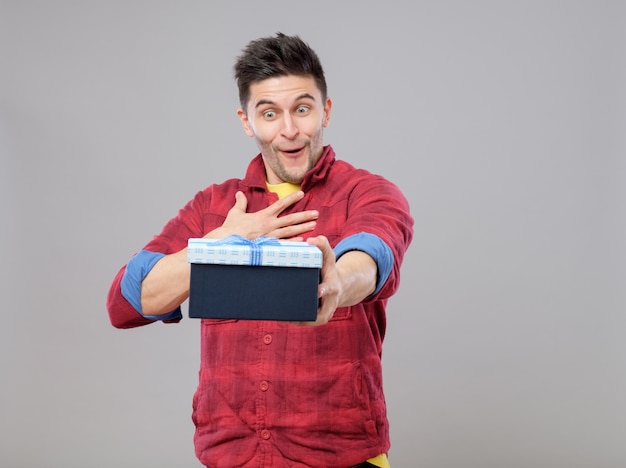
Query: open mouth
x=292 y=151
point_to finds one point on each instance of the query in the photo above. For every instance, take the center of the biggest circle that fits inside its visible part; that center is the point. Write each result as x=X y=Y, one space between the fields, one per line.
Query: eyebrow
x=262 y=102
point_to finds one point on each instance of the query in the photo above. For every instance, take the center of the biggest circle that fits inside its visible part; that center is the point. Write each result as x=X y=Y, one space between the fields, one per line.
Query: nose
x=289 y=128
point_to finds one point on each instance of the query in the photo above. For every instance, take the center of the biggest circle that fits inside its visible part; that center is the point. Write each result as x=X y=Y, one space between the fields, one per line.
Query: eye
x=302 y=109
x=269 y=115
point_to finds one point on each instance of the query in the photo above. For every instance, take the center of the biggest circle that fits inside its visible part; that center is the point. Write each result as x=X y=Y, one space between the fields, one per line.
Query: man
x=276 y=394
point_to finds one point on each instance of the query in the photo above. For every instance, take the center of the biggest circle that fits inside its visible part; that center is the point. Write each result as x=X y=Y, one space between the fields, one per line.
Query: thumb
x=241 y=202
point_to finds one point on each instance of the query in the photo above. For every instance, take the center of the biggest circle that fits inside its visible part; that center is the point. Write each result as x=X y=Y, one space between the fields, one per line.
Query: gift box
x=261 y=279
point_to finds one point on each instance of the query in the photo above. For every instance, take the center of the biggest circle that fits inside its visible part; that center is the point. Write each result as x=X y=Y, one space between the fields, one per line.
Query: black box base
x=253 y=292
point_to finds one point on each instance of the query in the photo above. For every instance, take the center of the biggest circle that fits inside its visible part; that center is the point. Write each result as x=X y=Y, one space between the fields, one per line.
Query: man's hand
x=329 y=288
x=167 y=284
x=266 y=222
x=345 y=282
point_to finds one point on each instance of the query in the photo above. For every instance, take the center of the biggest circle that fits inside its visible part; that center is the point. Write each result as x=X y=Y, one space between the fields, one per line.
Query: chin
x=294 y=180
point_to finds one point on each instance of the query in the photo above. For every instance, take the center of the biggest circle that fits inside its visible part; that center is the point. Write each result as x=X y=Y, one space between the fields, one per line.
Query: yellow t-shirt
x=282 y=190
x=381 y=461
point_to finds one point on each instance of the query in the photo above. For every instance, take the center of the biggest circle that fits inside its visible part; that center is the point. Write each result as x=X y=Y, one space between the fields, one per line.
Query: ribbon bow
x=256 y=250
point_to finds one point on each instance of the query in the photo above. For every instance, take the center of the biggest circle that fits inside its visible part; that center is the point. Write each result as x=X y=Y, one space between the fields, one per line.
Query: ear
x=328 y=105
x=245 y=123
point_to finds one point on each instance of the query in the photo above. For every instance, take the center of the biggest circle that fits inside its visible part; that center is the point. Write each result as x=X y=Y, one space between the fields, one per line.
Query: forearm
x=357 y=274
x=167 y=285
x=122 y=313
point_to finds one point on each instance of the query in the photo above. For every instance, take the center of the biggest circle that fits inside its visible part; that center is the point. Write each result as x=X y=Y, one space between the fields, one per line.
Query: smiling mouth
x=292 y=151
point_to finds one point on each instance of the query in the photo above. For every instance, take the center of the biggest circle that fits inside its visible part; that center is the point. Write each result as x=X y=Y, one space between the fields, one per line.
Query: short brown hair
x=279 y=55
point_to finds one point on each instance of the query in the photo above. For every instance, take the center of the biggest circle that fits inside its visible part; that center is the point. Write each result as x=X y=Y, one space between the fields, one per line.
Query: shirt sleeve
x=375 y=247
x=137 y=269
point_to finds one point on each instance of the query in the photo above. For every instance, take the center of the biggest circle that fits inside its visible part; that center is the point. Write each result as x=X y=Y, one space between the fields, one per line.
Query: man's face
x=286 y=116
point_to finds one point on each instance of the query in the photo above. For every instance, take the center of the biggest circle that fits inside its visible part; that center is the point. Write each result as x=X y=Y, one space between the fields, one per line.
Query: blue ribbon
x=256 y=251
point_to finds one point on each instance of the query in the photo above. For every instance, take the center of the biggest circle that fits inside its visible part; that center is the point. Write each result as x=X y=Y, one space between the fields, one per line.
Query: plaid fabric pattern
x=274 y=395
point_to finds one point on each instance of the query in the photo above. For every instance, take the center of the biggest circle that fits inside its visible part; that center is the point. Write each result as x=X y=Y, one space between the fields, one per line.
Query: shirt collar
x=255 y=174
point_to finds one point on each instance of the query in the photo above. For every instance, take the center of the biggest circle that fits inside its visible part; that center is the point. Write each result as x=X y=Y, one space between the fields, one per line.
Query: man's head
x=274 y=56
x=284 y=105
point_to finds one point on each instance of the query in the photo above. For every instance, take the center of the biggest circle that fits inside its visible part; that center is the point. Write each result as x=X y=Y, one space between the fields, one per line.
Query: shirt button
x=267 y=339
x=264 y=385
x=265 y=434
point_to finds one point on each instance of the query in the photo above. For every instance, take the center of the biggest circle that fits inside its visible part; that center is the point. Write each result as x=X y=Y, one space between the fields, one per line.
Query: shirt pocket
x=209 y=322
x=343 y=313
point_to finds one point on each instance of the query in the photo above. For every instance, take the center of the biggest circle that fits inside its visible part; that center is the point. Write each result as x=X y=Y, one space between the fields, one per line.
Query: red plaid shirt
x=276 y=395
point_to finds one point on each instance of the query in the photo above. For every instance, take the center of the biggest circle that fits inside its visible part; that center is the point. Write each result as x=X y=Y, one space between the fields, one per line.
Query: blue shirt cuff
x=375 y=247
x=136 y=270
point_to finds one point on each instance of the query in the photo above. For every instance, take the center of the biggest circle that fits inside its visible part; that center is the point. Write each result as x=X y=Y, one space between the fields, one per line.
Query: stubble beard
x=295 y=176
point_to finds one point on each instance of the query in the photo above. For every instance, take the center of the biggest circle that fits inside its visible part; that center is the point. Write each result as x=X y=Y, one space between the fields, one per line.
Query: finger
x=298 y=218
x=289 y=232
x=293 y=197
x=283 y=203
x=241 y=202
x=321 y=242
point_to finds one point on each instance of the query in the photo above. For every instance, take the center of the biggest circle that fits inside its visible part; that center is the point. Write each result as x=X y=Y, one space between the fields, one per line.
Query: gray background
x=503 y=122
